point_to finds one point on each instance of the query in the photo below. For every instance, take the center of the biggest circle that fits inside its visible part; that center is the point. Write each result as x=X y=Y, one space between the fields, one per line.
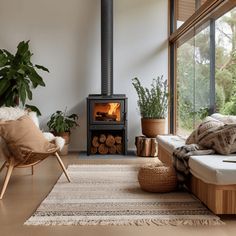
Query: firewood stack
x=106 y=144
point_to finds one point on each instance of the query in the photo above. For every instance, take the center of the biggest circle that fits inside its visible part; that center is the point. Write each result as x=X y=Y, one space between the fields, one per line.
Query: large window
x=202 y=62
x=193 y=81
x=226 y=63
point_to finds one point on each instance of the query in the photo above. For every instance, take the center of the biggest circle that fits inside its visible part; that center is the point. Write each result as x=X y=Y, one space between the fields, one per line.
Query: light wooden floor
x=25 y=192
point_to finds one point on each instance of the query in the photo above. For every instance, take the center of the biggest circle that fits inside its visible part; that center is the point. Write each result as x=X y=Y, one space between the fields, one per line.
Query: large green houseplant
x=60 y=124
x=153 y=104
x=18 y=76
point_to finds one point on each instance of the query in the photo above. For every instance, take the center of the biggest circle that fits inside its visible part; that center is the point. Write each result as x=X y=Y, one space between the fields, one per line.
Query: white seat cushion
x=208 y=168
x=170 y=142
x=211 y=169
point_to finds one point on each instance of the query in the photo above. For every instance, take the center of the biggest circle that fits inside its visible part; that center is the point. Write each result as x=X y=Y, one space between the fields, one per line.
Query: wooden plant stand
x=146 y=147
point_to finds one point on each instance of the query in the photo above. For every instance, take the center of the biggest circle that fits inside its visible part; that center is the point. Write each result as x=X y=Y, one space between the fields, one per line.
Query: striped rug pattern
x=110 y=195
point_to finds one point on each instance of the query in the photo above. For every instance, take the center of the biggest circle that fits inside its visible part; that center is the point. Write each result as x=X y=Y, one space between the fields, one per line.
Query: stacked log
x=112 y=149
x=107 y=144
x=102 y=138
x=110 y=141
x=119 y=148
x=94 y=150
x=103 y=149
x=95 y=142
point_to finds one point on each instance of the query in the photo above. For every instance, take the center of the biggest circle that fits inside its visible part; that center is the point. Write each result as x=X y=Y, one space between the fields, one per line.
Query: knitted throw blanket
x=181 y=157
x=215 y=134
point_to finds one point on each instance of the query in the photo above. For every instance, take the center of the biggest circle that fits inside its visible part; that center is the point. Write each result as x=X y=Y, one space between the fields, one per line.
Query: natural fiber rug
x=110 y=195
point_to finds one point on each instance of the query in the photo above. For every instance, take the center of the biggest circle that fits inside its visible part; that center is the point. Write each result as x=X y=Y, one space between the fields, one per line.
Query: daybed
x=213 y=181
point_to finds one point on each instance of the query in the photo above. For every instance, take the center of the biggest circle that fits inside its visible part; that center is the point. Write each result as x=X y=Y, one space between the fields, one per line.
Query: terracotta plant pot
x=152 y=127
x=66 y=136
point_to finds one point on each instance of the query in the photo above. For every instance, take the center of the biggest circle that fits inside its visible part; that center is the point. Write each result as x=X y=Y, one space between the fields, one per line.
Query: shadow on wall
x=134 y=128
x=79 y=135
x=140 y=50
x=75 y=74
x=150 y=56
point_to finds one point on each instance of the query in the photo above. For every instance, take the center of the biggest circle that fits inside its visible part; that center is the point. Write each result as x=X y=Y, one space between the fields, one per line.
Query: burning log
x=104 y=116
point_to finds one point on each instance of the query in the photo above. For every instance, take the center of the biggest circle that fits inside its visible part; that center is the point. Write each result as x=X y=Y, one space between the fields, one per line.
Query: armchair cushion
x=23 y=136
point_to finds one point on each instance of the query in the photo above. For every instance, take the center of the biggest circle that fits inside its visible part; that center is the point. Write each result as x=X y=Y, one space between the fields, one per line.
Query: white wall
x=65 y=37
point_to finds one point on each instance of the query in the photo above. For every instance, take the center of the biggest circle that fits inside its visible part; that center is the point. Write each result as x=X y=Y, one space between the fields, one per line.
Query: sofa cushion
x=170 y=142
x=211 y=169
x=23 y=136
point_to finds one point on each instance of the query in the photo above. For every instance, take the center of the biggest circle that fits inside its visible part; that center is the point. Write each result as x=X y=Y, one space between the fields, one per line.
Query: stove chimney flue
x=107 y=47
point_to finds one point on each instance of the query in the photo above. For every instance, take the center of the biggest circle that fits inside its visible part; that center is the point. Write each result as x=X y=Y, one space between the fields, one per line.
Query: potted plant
x=153 y=104
x=18 y=76
x=60 y=124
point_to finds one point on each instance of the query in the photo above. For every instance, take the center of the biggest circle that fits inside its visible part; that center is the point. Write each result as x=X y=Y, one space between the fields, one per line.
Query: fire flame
x=113 y=107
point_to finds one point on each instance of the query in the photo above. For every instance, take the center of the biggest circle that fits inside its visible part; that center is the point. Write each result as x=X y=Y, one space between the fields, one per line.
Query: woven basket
x=157 y=178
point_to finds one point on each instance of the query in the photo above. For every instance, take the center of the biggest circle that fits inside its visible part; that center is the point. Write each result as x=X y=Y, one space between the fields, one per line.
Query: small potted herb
x=60 y=124
x=153 y=104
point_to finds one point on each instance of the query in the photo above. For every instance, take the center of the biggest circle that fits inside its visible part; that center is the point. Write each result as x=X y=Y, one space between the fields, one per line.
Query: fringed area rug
x=110 y=195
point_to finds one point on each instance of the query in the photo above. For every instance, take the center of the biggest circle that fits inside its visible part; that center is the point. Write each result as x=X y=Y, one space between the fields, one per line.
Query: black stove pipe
x=107 y=47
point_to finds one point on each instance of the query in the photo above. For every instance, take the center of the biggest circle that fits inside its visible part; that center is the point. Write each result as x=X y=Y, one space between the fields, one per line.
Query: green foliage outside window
x=193 y=74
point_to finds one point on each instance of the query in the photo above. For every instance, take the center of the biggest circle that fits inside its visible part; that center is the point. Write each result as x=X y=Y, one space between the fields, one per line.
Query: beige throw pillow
x=23 y=136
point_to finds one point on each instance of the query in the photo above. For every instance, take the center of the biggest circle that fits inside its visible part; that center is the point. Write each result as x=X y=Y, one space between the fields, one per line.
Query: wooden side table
x=146 y=147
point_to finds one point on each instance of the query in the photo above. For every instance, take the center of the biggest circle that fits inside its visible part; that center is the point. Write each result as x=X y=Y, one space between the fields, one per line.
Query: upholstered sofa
x=213 y=181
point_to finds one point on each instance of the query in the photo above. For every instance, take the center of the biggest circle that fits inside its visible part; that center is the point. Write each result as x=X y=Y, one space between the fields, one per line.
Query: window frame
x=209 y=11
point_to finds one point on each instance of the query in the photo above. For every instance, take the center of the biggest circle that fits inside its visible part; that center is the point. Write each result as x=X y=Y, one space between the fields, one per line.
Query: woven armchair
x=30 y=159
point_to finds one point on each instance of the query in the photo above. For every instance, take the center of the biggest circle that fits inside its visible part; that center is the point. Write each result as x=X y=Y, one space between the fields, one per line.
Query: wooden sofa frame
x=220 y=199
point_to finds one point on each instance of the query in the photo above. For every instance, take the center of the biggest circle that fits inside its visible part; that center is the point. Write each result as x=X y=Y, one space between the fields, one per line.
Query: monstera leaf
x=18 y=76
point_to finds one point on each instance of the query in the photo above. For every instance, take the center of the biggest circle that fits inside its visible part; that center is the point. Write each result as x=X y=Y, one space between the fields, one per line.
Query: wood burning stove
x=107 y=112
x=107 y=117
